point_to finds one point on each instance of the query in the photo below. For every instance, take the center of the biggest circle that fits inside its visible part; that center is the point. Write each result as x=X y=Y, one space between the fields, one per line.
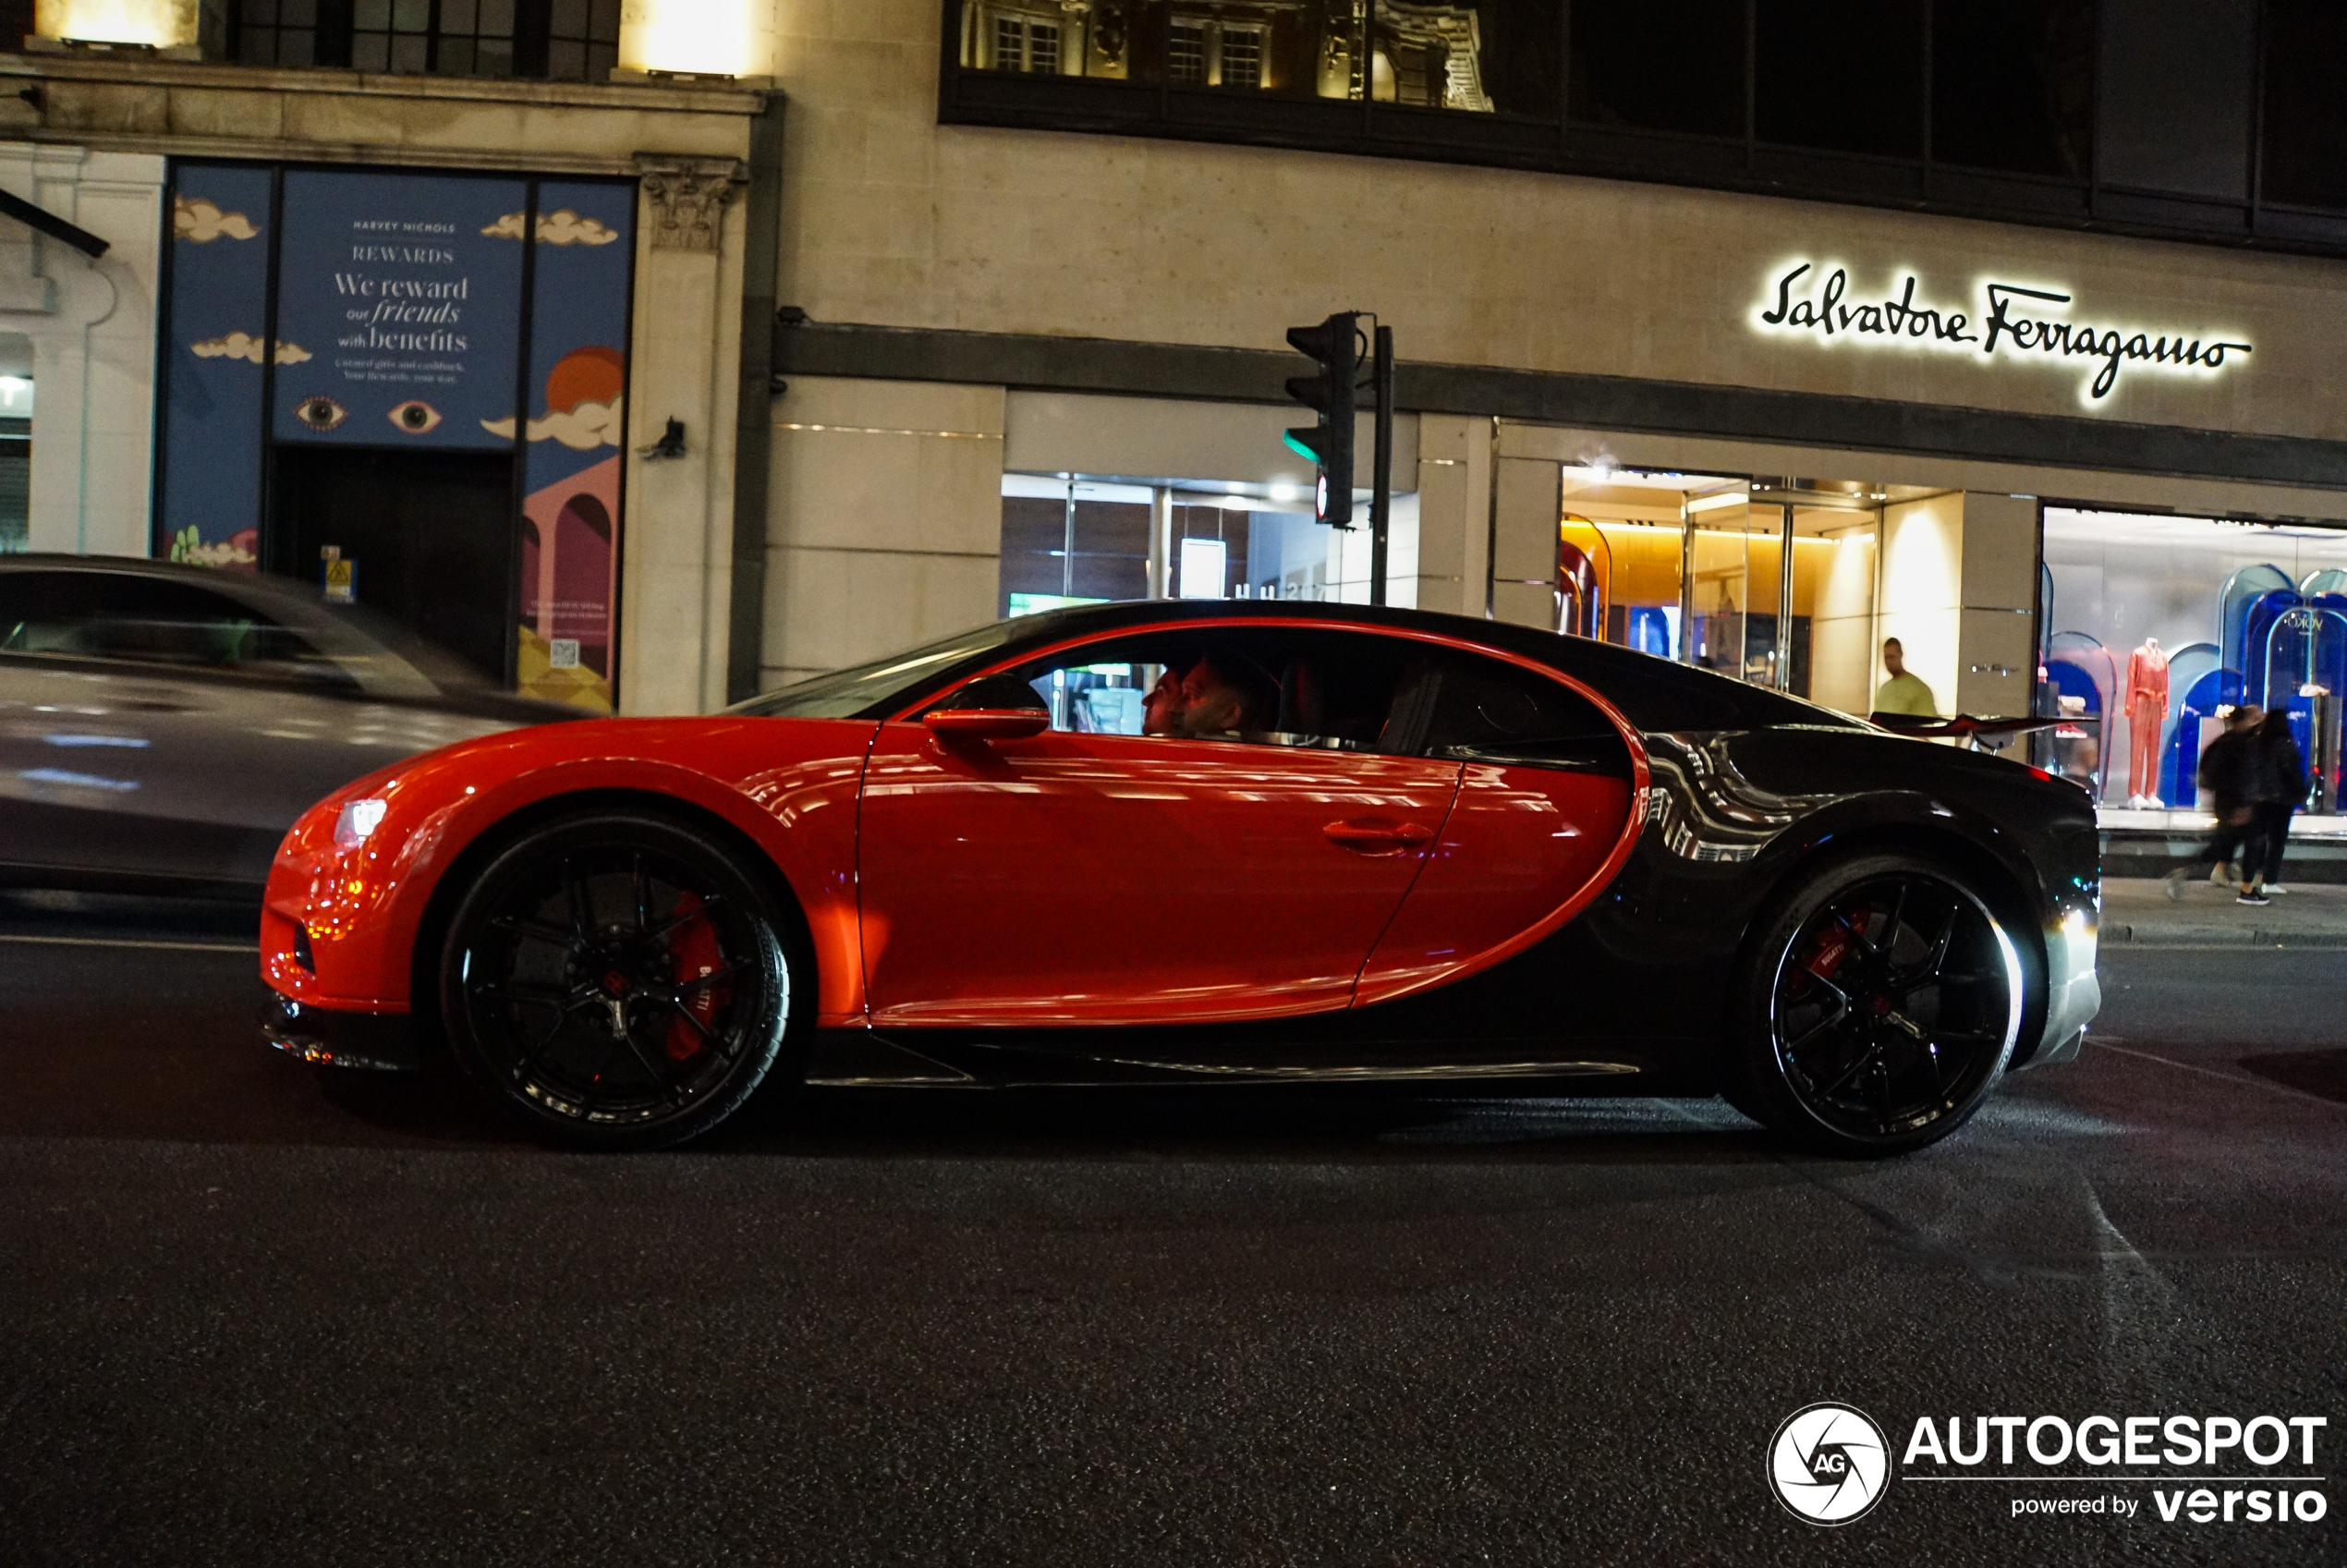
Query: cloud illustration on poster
x=244 y=346
x=562 y=227
x=199 y=222
x=582 y=429
x=584 y=408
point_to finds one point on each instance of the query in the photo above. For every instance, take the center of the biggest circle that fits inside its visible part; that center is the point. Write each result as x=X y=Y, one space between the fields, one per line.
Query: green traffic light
x=1298 y=447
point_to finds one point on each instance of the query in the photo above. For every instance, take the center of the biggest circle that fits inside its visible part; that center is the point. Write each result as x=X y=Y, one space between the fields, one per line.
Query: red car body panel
x=1171 y=880
x=1523 y=851
x=1093 y=879
x=787 y=784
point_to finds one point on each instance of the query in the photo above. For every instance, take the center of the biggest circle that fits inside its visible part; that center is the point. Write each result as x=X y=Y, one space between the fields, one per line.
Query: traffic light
x=1335 y=344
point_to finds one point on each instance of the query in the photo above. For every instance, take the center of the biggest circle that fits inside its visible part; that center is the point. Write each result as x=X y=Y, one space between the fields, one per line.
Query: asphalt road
x=252 y=1313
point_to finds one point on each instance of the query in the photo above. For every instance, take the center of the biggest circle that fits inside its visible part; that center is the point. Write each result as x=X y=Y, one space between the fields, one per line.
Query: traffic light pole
x=1381 y=462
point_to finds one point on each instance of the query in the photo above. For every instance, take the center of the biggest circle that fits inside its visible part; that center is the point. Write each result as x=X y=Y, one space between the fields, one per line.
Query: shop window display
x=1771 y=582
x=2156 y=625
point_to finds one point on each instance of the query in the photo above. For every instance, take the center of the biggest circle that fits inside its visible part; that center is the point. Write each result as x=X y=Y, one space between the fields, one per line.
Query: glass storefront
x=2156 y=625
x=1082 y=540
x=1770 y=581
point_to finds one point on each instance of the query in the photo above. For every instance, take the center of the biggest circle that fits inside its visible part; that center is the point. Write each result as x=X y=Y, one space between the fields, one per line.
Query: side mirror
x=986 y=723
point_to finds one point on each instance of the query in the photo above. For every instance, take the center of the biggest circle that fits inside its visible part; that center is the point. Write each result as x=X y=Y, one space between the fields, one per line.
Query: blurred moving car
x=161 y=726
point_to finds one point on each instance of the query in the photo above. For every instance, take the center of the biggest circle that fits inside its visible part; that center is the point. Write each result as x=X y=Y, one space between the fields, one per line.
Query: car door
x=1096 y=872
x=1546 y=812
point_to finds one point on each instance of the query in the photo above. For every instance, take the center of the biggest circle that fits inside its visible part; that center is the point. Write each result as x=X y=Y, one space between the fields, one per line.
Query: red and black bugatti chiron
x=1228 y=841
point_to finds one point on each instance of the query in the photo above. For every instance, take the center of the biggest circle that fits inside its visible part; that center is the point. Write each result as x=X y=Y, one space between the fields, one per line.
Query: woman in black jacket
x=2281 y=789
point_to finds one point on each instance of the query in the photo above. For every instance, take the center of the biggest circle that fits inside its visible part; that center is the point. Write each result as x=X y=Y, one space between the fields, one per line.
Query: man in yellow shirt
x=1902 y=693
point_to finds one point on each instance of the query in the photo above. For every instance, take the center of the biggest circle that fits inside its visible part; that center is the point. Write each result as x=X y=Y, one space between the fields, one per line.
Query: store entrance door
x=429 y=537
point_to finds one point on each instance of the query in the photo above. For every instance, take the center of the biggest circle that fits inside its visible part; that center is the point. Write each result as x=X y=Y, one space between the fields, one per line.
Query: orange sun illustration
x=592 y=375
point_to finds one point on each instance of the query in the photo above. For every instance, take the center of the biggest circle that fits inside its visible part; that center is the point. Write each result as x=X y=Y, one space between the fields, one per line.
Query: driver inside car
x=1217 y=695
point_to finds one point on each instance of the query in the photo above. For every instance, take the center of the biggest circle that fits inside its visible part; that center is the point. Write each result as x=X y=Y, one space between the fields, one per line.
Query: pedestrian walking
x=2281 y=789
x=2230 y=771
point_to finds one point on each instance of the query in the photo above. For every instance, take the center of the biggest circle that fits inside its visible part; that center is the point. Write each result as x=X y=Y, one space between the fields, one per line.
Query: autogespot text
x=2197 y=1469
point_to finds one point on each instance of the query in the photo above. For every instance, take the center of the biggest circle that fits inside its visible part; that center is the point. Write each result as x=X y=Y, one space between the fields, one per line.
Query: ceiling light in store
x=1283 y=491
x=1713 y=502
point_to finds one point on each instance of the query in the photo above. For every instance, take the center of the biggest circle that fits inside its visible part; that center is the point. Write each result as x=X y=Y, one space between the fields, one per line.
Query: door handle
x=1374 y=836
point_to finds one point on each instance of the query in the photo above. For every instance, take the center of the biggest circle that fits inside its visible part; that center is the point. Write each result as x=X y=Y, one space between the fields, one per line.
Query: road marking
x=2212 y=1073
x=127 y=941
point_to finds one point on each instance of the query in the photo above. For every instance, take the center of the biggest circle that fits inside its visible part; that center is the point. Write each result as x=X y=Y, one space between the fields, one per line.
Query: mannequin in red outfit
x=2146 y=716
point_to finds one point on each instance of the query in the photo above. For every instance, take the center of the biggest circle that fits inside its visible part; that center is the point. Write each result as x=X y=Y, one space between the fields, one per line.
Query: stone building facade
x=994 y=315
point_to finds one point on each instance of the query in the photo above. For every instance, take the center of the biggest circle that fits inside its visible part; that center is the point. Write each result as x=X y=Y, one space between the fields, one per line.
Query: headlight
x=359 y=819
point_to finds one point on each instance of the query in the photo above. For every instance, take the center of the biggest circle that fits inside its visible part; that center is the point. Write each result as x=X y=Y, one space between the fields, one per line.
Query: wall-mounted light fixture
x=147 y=24
x=690 y=37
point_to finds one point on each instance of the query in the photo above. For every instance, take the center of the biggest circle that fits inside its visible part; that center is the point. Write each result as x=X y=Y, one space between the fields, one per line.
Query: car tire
x=1879 y=1002
x=620 y=981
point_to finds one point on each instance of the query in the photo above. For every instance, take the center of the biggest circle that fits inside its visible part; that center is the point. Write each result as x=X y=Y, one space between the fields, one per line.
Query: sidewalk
x=2135 y=910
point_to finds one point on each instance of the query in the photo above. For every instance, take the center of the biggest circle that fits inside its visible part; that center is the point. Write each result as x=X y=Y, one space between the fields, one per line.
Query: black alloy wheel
x=619 y=980
x=1882 y=1005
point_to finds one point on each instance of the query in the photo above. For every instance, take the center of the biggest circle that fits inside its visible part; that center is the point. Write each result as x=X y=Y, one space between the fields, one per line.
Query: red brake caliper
x=1832 y=945
x=693 y=953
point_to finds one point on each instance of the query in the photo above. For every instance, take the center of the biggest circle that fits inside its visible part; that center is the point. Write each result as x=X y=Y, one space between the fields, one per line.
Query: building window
x=582 y=40
x=1242 y=57
x=1024 y=43
x=547 y=40
x=1185 y=54
x=2211 y=120
x=277 y=33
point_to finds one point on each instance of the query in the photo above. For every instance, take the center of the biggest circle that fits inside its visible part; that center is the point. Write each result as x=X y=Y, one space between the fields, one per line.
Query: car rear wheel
x=618 y=979
x=1881 y=1005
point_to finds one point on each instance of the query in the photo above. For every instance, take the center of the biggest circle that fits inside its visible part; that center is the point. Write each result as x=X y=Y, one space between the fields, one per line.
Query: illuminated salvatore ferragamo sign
x=2009 y=321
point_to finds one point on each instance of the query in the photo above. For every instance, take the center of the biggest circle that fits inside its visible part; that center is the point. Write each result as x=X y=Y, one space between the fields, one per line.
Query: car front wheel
x=1879 y=1007
x=618 y=979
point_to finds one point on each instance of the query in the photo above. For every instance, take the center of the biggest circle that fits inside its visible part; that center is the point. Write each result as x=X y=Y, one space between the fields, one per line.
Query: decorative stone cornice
x=688 y=198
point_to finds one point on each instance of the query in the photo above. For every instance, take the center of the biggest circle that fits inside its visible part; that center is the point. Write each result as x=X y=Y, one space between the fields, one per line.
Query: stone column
x=677 y=548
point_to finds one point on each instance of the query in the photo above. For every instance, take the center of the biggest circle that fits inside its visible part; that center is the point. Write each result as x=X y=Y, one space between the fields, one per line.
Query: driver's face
x=1161 y=710
x=1200 y=703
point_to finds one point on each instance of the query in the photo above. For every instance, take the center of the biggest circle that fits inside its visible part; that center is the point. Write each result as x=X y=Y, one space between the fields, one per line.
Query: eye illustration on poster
x=405 y=294
x=570 y=525
x=219 y=332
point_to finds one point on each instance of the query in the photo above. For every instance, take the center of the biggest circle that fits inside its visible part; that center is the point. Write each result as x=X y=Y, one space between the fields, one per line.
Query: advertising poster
x=398 y=309
x=577 y=433
x=210 y=486
x=404 y=303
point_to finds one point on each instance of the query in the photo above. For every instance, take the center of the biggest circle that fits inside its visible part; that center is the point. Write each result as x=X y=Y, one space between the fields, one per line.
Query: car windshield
x=847 y=694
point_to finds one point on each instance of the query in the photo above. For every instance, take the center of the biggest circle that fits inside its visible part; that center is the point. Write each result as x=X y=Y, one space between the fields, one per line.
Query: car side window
x=1483 y=709
x=128 y=618
x=1263 y=686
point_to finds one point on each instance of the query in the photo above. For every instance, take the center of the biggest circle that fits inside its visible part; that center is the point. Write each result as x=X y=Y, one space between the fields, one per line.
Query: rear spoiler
x=1961 y=725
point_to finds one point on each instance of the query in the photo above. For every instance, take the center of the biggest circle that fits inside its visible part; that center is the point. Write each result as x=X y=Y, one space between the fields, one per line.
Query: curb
x=2221 y=936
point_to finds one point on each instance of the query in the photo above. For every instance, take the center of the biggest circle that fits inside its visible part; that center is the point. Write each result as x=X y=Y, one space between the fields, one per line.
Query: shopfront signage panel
x=2008 y=322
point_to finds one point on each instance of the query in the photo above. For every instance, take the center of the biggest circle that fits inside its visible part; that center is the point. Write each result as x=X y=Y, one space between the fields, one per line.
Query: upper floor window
x=2210 y=119
x=543 y=40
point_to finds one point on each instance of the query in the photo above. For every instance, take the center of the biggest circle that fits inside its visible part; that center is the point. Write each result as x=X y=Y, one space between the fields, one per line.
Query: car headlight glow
x=360 y=819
